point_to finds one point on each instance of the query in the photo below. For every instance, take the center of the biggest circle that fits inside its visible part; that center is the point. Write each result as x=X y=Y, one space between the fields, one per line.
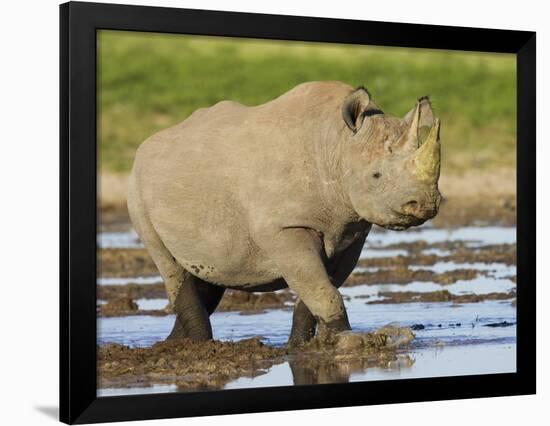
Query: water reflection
x=314 y=370
x=490 y=357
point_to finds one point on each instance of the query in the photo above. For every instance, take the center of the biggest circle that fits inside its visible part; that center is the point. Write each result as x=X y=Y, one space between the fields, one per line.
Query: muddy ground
x=210 y=365
x=190 y=365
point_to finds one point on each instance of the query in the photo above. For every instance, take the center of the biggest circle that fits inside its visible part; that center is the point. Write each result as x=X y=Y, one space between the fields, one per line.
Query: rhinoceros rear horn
x=419 y=117
x=356 y=104
x=424 y=106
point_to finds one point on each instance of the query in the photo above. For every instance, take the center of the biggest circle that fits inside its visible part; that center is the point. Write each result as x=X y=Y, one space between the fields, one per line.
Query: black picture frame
x=78 y=25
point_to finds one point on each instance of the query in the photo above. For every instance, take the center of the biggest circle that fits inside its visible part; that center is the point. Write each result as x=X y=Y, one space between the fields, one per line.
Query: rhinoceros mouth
x=411 y=219
x=403 y=221
x=393 y=227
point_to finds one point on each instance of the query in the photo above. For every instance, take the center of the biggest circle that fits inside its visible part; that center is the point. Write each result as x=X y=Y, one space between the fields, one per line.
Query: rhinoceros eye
x=376 y=175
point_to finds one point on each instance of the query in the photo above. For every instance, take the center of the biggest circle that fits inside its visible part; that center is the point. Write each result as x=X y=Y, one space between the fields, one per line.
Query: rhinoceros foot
x=389 y=337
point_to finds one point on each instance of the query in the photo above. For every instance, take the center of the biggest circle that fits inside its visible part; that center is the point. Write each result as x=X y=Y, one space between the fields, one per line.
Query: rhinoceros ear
x=355 y=104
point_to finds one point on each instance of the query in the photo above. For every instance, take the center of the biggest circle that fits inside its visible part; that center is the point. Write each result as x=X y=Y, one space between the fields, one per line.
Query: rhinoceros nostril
x=413 y=204
x=411 y=207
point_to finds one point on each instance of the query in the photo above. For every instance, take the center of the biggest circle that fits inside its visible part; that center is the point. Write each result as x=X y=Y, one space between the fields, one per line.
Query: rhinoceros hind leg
x=303 y=325
x=192 y=316
x=210 y=294
x=192 y=313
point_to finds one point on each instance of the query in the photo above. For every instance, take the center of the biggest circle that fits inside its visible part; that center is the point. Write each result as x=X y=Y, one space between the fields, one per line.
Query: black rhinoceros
x=279 y=195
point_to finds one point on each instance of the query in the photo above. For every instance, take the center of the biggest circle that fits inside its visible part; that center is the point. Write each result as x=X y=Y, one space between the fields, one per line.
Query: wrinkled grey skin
x=281 y=194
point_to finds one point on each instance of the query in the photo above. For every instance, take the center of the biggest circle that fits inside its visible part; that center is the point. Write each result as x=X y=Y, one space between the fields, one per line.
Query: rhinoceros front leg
x=303 y=322
x=297 y=253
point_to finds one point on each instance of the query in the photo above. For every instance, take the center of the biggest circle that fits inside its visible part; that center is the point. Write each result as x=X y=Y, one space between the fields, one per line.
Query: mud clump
x=132 y=291
x=403 y=275
x=438 y=296
x=333 y=357
x=118 y=307
x=190 y=365
x=246 y=302
x=125 y=307
x=125 y=263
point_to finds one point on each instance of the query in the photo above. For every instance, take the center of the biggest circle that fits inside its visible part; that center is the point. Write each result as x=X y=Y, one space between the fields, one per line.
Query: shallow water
x=120 y=240
x=436 y=252
x=480 y=285
x=451 y=339
x=370 y=253
x=439 y=320
x=137 y=390
x=155 y=279
x=495 y=269
x=476 y=236
x=151 y=304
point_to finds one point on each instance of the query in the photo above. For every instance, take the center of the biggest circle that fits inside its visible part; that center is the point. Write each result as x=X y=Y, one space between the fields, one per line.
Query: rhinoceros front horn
x=427 y=158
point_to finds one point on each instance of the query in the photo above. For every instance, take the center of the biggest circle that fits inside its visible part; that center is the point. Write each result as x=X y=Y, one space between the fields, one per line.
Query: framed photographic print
x=264 y=212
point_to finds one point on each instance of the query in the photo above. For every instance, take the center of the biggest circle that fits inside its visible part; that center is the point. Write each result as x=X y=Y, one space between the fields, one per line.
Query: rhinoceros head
x=391 y=164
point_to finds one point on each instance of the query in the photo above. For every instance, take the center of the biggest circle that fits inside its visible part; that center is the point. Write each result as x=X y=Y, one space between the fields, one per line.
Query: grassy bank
x=148 y=82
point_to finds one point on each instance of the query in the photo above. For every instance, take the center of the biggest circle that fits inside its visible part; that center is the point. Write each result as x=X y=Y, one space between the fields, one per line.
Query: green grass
x=147 y=82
